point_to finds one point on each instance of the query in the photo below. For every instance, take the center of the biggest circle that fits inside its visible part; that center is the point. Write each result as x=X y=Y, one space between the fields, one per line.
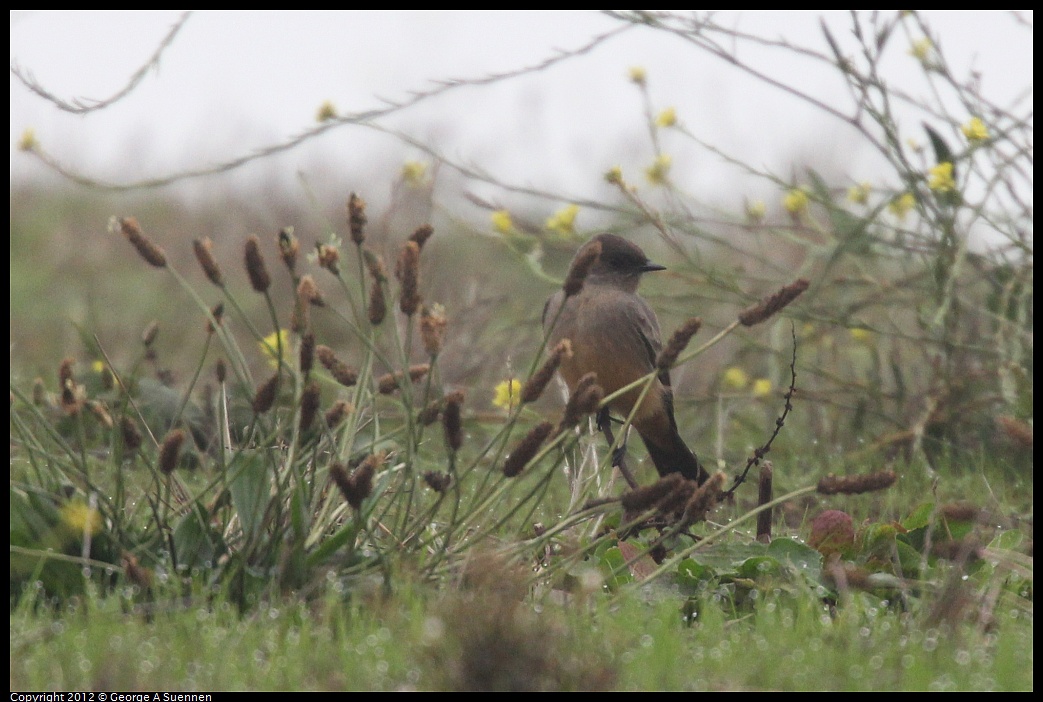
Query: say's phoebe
x=615 y=334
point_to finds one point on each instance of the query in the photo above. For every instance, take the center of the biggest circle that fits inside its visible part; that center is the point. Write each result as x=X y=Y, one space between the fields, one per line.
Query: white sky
x=236 y=81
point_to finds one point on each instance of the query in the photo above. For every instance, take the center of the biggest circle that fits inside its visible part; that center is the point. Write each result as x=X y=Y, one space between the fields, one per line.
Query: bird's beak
x=650 y=267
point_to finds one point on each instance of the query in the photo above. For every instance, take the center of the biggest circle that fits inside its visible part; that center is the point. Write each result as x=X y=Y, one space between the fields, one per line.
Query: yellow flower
x=901 y=205
x=502 y=221
x=81 y=518
x=859 y=194
x=413 y=172
x=666 y=118
x=659 y=170
x=614 y=175
x=921 y=49
x=28 y=141
x=326 y=112
x=270 y=346
x=755 y=210
x=637 y=75
x=736 y=378
x=862 y=336
x=939 y=178
x=564 y=220
x=506 y=394
x=796 y=201
x=98 y=366
x=761 y=387
x=975 y=130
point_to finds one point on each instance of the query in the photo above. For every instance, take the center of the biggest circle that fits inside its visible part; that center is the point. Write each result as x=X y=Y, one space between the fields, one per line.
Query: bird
x=615 y=334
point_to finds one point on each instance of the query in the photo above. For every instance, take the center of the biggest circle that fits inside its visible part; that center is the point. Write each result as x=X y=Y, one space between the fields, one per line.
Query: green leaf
x=919 y=517
x=942 y=152
x=250 y=489
x=196 y=543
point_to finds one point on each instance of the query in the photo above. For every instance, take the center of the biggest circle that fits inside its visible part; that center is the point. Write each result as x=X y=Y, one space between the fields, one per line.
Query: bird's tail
x=674 y=456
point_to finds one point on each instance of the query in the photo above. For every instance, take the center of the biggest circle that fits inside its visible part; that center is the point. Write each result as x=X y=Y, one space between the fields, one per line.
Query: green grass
x=424 y=639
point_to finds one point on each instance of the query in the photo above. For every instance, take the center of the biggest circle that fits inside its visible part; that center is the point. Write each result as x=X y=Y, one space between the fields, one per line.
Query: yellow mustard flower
x=761 y=387
x=28 y=141
x=326 y=112
x=564 y=220
x=637 y=74
x=901 y=205
x=80 y=518
x=862 y=336
x=666 y=118
x=795 y=201
x=502 y=221
x=975 y=130
x=756 y=210
x=614 y=175
x=413 y=172
x=506 y=394
x=98 y=366
x=736 y=378
x=921 y=49
x=658 y=172
x=859 y=194
x=270 y=346
x=939 y=178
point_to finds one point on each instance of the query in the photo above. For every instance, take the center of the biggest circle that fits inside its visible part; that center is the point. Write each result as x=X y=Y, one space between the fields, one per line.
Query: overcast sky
x=236 y=81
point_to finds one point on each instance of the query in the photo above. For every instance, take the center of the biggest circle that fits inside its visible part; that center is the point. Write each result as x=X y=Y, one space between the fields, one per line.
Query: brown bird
x=615 y=334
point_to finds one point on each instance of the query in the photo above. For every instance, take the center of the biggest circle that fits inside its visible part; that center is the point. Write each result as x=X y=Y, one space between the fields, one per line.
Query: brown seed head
x=580 y=268
x=357 y=486
x=337 y=412
x=131 y=434
x=170 y=451
x=535 y=385
x=645 y=498
x=772 y=304
x=451 y=420
x=289 y=247
x=341 y=372
x=265 y=396
x=438 y=481
x=526 y=449
x=308 y=292
x=408 y=271
x=375 y=264
x=856 y=484
x=329 y=258
x=309 y=405
x=422 y=234
x=307 y=355
x=357 y=218
x=378 y=308
x=221 y=370
x=255 y=268
x=703 y=498
x=430 y=414
x=584 y=399
x=387 y=384
x=678 y=343
x=204 y=254
x=152 y=254
x=433 y=322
